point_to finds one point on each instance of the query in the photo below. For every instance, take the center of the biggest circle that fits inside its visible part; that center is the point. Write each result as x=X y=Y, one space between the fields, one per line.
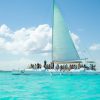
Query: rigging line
x=85 y=50
x=89 y=53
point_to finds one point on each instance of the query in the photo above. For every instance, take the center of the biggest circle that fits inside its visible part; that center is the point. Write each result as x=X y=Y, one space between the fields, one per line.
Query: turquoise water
x=32 y=87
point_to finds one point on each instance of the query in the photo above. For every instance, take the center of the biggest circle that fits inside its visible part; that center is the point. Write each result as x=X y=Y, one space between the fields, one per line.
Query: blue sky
x=18 y=16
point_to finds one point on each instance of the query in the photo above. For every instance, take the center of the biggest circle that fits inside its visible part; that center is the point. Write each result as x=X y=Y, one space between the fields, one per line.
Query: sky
x=26 y=30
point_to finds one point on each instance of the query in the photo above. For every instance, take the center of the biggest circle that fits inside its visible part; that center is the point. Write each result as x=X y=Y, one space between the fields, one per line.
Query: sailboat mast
x=52 y=26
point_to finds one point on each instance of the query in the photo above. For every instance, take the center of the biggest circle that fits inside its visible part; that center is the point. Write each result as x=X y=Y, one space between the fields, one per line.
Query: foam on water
x=36 y=87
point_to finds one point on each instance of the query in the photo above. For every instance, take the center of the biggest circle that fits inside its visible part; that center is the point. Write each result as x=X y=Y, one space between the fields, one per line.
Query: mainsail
x=63 y=48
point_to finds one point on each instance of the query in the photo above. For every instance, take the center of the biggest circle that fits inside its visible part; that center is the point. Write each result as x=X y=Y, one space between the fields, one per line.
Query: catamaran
x=63 y=50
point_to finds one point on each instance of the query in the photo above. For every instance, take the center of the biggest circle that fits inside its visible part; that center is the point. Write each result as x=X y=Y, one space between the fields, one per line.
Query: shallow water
x=35 y=87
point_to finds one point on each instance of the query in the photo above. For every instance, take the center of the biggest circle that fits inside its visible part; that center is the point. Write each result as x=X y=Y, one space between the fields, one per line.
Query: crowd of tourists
x=62 y=67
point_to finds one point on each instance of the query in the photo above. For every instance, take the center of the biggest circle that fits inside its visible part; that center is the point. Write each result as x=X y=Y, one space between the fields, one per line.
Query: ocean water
x=36 y=87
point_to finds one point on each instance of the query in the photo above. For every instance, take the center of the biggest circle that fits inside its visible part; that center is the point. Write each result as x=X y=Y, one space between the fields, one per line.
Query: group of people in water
x=62 y=67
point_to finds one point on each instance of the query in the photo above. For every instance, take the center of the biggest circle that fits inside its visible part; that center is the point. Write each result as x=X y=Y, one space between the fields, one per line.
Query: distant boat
x=63 y=49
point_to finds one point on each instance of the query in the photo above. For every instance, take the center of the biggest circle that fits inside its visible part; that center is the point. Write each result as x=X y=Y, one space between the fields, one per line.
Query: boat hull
x=47 y=72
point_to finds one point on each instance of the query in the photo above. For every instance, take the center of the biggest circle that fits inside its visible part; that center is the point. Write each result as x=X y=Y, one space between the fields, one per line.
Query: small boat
x=28 y=72
x=16 y=72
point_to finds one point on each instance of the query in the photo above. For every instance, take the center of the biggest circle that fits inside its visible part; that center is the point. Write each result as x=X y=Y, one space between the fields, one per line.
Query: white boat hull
x=53 y=72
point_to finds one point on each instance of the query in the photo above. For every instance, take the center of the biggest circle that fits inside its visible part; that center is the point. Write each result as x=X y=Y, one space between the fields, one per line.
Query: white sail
x=63 y=46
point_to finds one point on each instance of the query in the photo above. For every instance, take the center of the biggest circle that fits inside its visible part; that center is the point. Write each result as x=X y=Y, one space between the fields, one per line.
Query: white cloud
x=2 y=41
x=75 y=39
x=25 y=40
x=48 y=47
x=95 y=47
x=5 y=31
x=22 y=63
